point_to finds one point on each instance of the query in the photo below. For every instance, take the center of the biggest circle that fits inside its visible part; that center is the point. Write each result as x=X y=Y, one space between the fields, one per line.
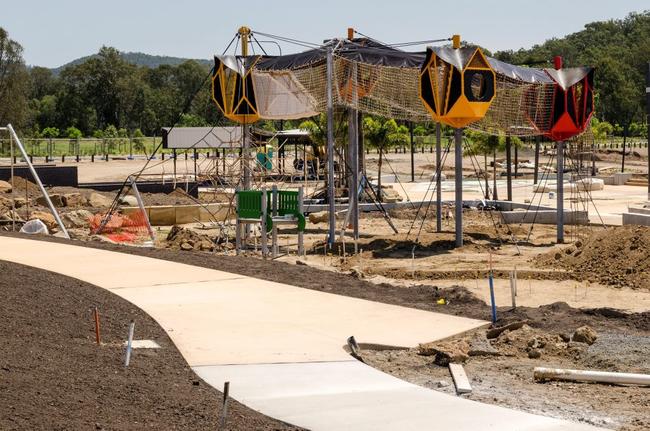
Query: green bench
x=270 y=209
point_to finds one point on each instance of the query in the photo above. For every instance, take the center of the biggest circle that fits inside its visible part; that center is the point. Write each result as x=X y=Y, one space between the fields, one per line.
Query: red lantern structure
x=572 y=102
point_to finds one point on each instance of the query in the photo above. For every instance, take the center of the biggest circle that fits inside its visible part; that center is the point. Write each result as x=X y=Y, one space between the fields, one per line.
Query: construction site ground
x=598 y=279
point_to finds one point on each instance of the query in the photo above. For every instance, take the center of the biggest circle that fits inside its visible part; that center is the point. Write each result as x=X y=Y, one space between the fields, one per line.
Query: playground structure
x=456 y=86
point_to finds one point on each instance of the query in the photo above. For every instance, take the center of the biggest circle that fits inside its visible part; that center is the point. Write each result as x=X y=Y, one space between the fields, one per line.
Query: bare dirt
x=53 y=376
x=501 y=373
x=617 y=256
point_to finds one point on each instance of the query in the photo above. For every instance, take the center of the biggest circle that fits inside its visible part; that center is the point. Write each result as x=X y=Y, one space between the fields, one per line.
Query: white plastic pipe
x=541 y=373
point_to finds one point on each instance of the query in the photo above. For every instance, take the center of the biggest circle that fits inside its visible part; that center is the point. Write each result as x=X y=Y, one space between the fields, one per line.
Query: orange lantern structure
x=457 y=85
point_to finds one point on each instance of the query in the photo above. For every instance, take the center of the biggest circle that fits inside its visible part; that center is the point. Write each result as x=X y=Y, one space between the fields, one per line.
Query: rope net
x=521 y=108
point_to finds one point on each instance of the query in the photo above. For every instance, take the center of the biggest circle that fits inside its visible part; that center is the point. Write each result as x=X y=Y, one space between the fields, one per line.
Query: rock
x=357 y=273
x=534 y=354
x=5 y=187
x=186 y=246
x=129 y=200
x=47 y=218
x=480 y=346
x=77 y=219
x=585 y=334
x=442 y=384
x=73 y=199
x=495 y=332
x=564 y=337
x=206 y=245
x=20 y=202
x=446 y=352
x=96 y=200
x=57 y=200
x=319 y=217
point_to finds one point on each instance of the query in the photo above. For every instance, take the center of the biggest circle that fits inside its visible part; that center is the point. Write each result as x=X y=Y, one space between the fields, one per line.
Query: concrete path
x=280 y=346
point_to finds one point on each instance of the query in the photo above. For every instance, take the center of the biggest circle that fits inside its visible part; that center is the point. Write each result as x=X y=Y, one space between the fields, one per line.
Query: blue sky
x=55 y=32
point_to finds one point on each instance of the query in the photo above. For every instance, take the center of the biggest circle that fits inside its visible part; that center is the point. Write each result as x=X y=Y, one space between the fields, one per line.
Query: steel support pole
x=353 y=157
x=560 y=192
x=38 y=181
x=438 y=179
x=647 y=111
x=509 y=167
x=458 y=178
x=536 y=173
x=412 y=152
x=330 y=151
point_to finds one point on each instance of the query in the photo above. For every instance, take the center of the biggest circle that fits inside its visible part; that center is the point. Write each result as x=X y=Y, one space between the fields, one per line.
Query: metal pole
x=353 y=190
x=138 y=198
x=536 y=173
x=330 y=151
x=438 y=179
x=38 y=182
x=412 y=153
x=458 y=177
x=509 y=166
x=13 y=185
x=560 y=192
x=647 y=110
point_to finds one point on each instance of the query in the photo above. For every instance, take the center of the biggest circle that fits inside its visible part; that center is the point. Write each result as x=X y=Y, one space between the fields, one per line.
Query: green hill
x=138 y=59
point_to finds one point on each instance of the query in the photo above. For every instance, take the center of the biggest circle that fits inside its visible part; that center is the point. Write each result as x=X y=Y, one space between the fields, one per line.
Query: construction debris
x=585 y=334
x=445 y=352
x=460 y=379
x=541 y=374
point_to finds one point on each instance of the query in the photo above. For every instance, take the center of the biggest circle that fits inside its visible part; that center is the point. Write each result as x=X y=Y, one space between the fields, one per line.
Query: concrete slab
x=274 y=322
x=352 y=396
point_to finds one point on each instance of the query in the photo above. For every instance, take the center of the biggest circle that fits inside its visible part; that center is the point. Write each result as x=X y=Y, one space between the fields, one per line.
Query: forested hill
x=137 y=59
x=620 y=52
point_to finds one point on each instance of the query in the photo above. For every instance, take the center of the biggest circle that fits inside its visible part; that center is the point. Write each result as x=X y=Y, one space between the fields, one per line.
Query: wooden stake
x=98 y=337
x=224 y=408
x=129 y=343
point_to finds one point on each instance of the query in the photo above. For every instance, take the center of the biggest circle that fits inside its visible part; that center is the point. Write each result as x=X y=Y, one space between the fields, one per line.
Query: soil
x=501 y=373
x=617 y=256
x=53 y=376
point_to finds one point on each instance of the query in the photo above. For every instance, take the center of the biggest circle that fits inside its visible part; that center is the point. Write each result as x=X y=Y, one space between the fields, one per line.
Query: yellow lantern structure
x=457 y=84
x=233 y=88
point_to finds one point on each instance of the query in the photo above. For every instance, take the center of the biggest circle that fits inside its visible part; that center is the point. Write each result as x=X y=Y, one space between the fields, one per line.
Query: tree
x=138 y=141
x=14 y=82
x=383 y=134
x=50 y=133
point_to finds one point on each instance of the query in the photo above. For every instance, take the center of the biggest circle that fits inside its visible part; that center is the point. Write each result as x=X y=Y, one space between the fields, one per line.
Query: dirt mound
x=617 y=256
x=180 y=238
x=22 y=184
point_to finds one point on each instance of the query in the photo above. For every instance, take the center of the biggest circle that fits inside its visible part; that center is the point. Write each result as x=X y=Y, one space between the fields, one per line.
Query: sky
x=53 y=33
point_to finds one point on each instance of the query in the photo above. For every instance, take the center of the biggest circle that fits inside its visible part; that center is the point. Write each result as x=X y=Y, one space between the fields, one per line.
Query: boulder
x=446 y=352
x=585 y=334
x=77 y=219
x=129 y=200
x=5 y=187
x=96 y=200
x=57 y=200
x=47 y=218
x=73 y=199
x=319 y=217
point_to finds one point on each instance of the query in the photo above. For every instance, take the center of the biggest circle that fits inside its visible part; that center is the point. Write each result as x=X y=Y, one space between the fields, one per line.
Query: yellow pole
x=244 y=32
x=455 y=39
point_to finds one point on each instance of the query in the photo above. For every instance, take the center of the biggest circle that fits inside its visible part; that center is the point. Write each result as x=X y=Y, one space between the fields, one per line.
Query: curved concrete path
x=280 y=346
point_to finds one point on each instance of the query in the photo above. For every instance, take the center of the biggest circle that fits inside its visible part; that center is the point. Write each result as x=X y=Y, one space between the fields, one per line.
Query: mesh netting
x=520 y=108
x=123 y=228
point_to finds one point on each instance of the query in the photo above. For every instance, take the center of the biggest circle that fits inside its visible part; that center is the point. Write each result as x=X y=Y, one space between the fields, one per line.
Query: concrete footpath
x=282 y=347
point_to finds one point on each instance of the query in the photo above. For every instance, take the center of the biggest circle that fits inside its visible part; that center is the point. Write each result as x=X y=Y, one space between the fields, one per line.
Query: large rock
x=57 y=200
x=47 y=218
x=96 y=200
x=73 y=199
x=77 y=219
x=129 y=200
x=5 y=187
x=319 y=217
x=585 y=334
x=446 y=352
